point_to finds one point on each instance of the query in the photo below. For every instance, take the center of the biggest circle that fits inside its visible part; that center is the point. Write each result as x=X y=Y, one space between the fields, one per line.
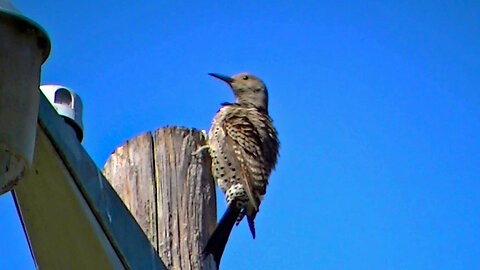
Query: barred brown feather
x=243 y=145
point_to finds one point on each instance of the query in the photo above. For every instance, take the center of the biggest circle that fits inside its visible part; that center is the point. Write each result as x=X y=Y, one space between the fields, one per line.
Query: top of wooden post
x=169 y=191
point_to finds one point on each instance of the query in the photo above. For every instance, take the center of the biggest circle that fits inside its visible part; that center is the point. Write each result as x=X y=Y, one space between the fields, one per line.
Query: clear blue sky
x=377 y=106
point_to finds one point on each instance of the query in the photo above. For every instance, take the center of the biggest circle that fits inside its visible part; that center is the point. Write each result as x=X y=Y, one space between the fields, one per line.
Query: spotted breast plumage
x=243 y=146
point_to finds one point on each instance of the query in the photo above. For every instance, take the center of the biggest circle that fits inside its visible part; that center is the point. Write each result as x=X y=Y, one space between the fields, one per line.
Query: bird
x=244 y=147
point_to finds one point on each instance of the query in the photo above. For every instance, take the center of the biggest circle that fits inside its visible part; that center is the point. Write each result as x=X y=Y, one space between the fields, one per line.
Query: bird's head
x=248 y=89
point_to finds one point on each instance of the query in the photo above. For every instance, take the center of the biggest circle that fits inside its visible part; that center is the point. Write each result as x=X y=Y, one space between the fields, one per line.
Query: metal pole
x=24 y=46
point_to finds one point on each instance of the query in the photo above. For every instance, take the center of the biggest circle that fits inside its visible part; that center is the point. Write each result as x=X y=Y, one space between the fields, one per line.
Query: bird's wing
x=244 y=141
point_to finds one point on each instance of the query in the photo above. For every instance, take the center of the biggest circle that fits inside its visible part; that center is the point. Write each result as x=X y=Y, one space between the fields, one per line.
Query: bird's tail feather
x=218 y=240
x=251 y=225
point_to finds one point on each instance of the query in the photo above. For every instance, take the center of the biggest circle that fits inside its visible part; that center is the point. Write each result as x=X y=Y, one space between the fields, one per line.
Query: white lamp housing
x=67 y=104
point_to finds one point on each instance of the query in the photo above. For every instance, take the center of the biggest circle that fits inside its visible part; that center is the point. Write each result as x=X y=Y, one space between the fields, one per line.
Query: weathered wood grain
x=130 y=171
x=169 y=191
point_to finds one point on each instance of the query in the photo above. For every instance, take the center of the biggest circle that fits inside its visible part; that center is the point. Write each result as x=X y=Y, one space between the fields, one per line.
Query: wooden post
x=169 y=191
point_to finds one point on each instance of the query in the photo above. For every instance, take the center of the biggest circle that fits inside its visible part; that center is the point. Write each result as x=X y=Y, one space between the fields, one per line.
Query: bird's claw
x=200 y=150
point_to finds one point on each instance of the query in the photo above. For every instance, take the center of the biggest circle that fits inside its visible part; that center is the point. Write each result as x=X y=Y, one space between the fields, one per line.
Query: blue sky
x=377 y=104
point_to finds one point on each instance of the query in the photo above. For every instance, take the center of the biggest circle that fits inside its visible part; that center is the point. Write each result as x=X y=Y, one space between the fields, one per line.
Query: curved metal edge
x=11 y=13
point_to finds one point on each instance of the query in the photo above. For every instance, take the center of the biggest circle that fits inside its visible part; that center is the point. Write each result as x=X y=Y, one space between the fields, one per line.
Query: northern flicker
x=243 y=145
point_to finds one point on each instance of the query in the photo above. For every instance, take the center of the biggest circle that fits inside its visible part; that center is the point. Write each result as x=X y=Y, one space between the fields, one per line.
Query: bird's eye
x=245 y=77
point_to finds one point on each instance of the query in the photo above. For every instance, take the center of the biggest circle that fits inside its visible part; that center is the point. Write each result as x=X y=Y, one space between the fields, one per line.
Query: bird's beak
x=221 y=77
